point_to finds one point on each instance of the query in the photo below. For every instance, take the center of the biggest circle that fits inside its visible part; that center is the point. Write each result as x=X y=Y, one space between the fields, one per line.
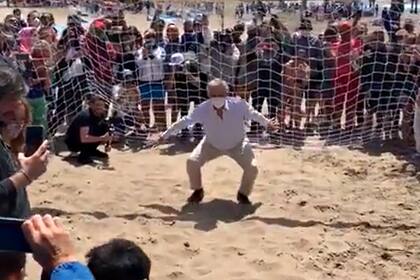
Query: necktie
x=219 y=112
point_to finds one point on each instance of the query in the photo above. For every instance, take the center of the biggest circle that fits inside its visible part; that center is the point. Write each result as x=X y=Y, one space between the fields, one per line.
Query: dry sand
x=319 y=214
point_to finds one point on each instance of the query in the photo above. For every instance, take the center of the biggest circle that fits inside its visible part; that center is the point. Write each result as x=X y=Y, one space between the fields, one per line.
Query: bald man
x=223 y=119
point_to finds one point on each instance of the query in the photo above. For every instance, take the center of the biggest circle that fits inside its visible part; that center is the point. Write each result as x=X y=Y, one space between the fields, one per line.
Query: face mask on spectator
x=36 y=22
x=218 y=102
x=13 y=130
x=127 y=49
x=305 y=33
x=149 y=43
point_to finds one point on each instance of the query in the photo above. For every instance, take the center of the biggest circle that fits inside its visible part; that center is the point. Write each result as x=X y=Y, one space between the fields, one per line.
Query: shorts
x=152 y=91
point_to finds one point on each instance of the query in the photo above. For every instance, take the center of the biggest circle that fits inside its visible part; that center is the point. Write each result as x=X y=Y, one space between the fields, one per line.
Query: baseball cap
x=177 y=59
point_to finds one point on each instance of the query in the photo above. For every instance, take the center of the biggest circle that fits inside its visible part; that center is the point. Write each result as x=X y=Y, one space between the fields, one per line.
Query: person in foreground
x=52 y=249
x=15 y=174
x=88 y=130
x=223 y=119
x=119 y=259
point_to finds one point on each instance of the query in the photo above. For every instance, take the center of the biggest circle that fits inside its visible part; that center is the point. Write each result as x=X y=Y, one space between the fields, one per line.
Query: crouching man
x=223 y=119
x=88 y=130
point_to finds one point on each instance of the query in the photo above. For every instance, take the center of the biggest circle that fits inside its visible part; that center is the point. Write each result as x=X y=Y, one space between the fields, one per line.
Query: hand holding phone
x=11 y=236
x=50 y=243
x=33 y=139
x=36 y=165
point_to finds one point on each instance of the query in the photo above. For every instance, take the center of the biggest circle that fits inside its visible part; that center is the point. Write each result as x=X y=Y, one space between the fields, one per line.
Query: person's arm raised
x=32 y=167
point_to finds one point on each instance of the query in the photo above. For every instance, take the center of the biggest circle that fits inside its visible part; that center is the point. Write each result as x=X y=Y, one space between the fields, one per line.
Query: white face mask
x=218 y=102
x=13 y=130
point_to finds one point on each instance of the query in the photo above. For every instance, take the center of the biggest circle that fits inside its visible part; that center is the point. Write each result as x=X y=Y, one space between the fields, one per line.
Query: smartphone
x=22 y=56
x=34 y=139
x=11 y=236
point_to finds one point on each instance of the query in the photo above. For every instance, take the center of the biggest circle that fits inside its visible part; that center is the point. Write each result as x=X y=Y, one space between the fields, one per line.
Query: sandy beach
x=317 y=214
x=336 y=214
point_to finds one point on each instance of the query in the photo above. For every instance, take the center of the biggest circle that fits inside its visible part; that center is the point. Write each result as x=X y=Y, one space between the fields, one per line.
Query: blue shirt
x=73 y=271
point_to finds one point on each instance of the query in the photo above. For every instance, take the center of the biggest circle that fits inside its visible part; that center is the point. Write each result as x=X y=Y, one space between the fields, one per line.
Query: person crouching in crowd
x=150 y=63
x=88 y=131
x=119 y=259
x=15 y=176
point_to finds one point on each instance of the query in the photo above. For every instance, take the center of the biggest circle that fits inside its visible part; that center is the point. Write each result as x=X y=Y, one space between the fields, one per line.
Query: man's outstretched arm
x=194 y=117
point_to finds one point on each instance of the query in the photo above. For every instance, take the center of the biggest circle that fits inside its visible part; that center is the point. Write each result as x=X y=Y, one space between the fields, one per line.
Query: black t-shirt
x=97 y=127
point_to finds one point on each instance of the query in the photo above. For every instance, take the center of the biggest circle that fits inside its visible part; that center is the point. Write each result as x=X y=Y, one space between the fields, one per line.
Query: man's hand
x=106 y=138
x=50 y=243
x=273 y=125
x=36 y=165
x=159 y=141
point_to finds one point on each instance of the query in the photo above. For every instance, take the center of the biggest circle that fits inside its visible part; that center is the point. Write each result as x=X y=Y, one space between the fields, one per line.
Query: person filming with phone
x=88 y=131
x=15 y=173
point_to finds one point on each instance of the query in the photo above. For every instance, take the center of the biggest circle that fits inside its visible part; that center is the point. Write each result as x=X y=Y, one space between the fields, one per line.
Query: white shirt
x=151 y=70
x=223 y=134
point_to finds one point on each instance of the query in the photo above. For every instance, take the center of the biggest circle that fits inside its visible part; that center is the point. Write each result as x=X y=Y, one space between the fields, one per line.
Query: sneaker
x=197 y=196
x=99 y=154
x=243 y=199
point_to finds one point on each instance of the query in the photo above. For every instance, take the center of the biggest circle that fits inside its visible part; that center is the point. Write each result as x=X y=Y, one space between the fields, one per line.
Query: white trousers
x=242 y=154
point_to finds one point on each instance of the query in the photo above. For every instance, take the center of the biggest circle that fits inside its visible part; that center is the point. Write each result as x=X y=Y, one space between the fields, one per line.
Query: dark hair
x=95 y=98
x=16 y=11
x=11 y=82
x=118 y=259
x=11 y=262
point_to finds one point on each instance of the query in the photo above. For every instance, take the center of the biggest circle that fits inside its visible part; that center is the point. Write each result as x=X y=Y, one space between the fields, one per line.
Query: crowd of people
x=346 y=70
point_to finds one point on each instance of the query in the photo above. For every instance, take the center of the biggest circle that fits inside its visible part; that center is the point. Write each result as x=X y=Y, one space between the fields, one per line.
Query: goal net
x=340 y=85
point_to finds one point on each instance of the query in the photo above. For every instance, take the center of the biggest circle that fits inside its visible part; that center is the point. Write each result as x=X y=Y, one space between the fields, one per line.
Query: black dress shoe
x=83 y=159
x=243 y=199
x=99 y=154
x=197 y=196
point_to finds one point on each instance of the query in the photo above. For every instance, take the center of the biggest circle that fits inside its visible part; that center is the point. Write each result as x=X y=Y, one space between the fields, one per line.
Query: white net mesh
x=345 y=87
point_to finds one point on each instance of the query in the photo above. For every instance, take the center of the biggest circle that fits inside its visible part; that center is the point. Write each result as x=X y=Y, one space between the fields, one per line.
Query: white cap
x=177 y=59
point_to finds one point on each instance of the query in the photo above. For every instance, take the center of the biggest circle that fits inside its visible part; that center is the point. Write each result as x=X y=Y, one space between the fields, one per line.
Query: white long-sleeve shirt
x=223 y=134
x=151 y=69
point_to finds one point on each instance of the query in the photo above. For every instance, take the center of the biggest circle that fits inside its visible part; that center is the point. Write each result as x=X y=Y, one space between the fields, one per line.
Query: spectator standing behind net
x=172 y=46
x=15 y=177
x=150 y=63
x=21 y=22
x=38 y=78
x=189 y=40
x=119 y=259
x=223 y=120
x=88 y=131
x=224 y=57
